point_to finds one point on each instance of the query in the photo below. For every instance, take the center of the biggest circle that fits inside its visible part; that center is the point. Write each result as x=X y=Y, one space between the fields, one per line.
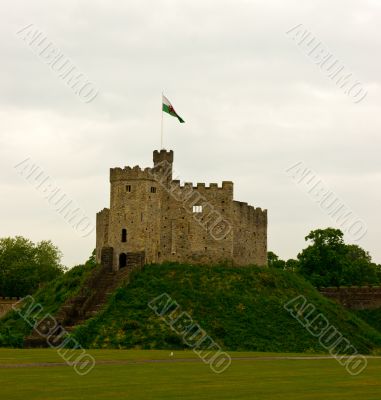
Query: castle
x=152 y=219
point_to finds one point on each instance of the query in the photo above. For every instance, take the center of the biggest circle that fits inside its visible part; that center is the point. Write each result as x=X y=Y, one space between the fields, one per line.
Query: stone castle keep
x=152 y=219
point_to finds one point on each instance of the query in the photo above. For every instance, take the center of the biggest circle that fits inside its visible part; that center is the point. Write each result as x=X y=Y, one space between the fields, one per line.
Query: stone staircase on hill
x=91 y=298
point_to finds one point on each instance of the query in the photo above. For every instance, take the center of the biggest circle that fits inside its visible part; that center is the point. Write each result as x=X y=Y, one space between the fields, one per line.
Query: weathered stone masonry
x=6 y=304
x=356 y=298
x=153 y=216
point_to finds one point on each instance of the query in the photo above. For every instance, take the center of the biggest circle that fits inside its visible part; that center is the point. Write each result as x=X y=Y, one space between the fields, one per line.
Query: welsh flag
x=168 y=108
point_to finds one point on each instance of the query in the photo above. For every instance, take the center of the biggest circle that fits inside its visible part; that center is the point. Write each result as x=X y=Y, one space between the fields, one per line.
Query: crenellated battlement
x=170 y=220
x=226 y=185
x=104 y=211
x=162 y=155
x=134 y=173
x=247 y=212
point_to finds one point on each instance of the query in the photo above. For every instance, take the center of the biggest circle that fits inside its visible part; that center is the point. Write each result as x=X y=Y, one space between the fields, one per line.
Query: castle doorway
x=122 y=260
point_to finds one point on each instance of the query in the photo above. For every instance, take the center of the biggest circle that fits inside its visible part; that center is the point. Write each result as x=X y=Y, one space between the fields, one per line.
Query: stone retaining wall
x=6 y=304
x=356 y=298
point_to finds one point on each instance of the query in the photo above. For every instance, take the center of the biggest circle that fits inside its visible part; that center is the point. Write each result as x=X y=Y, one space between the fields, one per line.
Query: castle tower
x=152 y=215
x=163 y=164
x=162 y=155
x=134 y=216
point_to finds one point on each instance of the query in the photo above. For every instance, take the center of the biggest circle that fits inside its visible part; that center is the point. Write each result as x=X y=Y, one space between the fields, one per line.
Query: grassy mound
x=13 y=328
x=371 y=317
x=240 y=308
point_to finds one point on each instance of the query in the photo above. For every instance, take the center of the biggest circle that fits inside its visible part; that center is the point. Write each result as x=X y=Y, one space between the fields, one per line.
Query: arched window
x=124 y=235
x=122 y=260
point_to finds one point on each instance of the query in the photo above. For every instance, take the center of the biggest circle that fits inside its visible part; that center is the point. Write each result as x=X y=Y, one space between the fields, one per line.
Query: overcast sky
x=253 y=101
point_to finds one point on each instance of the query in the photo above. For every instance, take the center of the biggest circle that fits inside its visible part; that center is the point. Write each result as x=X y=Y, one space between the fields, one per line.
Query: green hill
x=372 y=317
x=240 y=308
x=13 y=329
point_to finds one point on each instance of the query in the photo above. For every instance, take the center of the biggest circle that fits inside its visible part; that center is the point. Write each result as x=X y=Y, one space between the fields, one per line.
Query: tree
x=25 y=266
x=273 y=261
x=358 y=267
x=328 y=261
x=292 y=265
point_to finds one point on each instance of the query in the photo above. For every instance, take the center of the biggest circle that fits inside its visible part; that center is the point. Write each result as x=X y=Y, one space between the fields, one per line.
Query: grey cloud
x=253 y=103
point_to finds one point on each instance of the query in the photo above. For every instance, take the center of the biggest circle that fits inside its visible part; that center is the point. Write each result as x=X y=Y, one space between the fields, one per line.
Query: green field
x=134 y=375
x=241 y=308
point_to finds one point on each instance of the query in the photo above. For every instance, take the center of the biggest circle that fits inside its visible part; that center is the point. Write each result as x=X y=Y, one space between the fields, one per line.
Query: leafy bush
x=13 y=328
x=25 y=266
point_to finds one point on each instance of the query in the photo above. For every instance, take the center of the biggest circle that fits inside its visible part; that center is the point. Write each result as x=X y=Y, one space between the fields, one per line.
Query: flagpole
x=161 y=137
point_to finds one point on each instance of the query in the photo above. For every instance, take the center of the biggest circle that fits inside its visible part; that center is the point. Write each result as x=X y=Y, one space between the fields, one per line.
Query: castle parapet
x=128 y=173
x=162 y=155
x=155 y=215
x=250 y=213
x=105 y=211
x=226 y=185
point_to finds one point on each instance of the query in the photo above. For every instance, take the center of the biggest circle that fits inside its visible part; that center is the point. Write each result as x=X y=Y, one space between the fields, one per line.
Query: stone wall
x=102 y=228
x=190 y=236
x=6 y=305
x=356 y=298
x=250 y=234
x=157 y=215
x=136 y=206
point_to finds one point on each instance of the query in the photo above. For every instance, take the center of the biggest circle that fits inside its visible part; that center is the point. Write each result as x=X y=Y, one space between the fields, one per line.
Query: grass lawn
x=244 y=379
